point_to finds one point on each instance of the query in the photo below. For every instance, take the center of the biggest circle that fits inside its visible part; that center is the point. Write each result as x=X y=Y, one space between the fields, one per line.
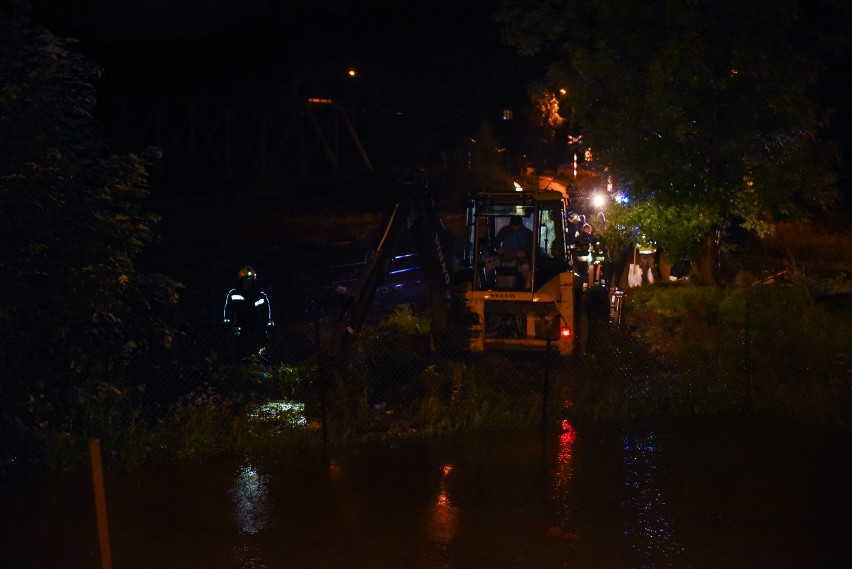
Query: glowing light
x=351 y=73
x=518 y=187
x=565 y=332
x=598 y=200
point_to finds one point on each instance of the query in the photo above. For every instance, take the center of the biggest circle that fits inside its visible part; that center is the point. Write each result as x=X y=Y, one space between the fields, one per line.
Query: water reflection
x=647 y=526
x=249 y=557
x=563 y=474
x=711 y=494
x=443 y=519
x=251 y=500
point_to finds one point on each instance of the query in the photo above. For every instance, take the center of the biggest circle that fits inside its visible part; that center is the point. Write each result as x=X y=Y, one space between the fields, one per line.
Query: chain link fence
x=391 y=379
x=312 y=384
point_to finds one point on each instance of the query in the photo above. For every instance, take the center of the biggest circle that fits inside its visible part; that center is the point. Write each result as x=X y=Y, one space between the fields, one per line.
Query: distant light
x=518 y=187
x=319 y=101
x=598 y=200
x=565 y=332
x=351 y=73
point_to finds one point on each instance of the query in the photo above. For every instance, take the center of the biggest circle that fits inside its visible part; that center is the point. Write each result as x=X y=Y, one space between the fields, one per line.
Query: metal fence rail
x=390 y=379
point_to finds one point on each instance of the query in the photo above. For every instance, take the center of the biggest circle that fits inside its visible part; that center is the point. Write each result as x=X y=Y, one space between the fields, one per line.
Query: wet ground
x=710 y=493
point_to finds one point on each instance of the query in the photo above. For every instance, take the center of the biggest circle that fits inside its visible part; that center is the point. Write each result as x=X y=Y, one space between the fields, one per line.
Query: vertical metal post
x=748 y=355
x=322 y=375
x=100 y=502
x=545 y=390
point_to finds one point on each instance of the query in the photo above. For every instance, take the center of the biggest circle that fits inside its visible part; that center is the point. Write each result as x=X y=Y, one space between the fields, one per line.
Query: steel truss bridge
x=260 y=141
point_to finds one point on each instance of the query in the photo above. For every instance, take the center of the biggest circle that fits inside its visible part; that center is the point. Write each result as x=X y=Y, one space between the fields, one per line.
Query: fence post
x=545 y=399
x=322 y=377
x=100 y=502
x=748 y=355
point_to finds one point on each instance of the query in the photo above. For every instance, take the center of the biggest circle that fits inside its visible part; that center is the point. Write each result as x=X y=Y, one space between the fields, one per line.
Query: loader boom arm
x=417 y=215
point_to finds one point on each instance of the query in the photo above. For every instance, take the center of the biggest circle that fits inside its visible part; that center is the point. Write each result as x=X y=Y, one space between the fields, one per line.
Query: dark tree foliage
x=703 y=104
x=74 y=307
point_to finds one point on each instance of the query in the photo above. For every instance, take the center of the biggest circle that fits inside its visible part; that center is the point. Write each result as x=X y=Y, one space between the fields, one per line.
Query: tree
x=75 y=306
x=703 y=106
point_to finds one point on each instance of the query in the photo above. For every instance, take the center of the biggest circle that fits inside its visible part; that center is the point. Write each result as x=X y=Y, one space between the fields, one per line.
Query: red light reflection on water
x=562 y=477
x=443 y=518
x=564 y=468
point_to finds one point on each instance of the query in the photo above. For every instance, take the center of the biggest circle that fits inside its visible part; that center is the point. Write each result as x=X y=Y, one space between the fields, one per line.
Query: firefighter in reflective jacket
x=248 y=315
x=597 y=259
x=583 y=253
x=647 y=250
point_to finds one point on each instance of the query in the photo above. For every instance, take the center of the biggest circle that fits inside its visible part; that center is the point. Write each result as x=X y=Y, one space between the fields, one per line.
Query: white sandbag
x=634 y=276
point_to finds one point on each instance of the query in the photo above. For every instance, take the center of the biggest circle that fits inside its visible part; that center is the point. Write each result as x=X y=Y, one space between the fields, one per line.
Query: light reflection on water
x=647 y=526
x=251 y=500
x=562 y=475
x=443 y=516
x=582 y=497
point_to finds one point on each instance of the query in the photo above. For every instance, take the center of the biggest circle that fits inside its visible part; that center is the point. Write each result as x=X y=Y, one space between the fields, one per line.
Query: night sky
x=413 y=56
x=440 y=64
x=407 y=53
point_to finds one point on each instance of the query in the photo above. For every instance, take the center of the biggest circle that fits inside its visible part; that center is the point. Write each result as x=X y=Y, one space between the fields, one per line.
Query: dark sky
x=411 y=55
x=442 y=64
x=219 y=45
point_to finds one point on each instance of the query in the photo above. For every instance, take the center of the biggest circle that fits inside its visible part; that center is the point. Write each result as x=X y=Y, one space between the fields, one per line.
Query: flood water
x=709 y=493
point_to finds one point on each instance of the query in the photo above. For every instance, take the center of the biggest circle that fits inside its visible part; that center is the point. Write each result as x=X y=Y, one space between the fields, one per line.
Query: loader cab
x=542 y=213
